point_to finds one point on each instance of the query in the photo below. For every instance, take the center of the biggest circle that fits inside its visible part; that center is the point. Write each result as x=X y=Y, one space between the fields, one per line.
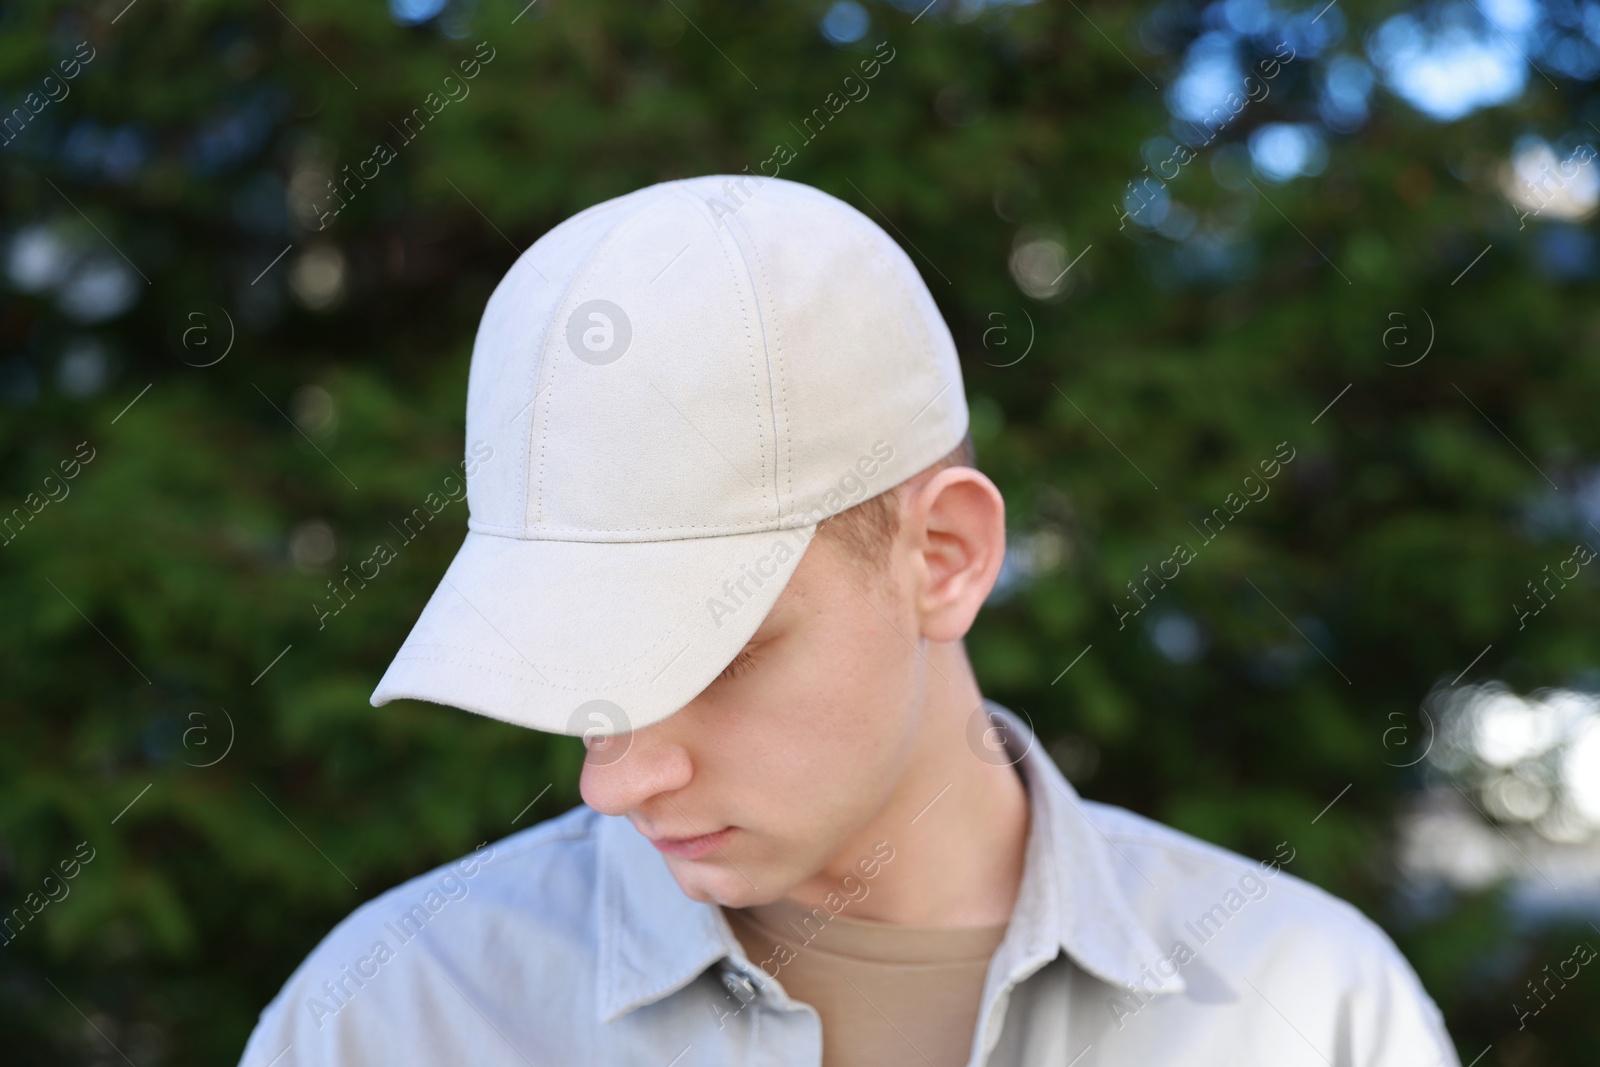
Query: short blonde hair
x=866 y=530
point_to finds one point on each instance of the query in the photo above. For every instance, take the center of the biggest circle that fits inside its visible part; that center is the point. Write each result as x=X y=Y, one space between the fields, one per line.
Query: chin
x=722 y=886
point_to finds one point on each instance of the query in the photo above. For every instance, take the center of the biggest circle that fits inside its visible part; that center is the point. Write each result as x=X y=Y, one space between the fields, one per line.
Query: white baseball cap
x=668 y=392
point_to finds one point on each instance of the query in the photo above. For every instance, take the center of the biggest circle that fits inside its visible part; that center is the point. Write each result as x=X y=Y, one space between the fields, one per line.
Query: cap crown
x=704 y=357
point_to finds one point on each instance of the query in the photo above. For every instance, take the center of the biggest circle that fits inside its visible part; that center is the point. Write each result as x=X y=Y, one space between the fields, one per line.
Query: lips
x=665 y=840
x=692 y=848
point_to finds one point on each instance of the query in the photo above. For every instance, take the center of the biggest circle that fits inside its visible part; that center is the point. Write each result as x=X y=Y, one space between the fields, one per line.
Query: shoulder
x=1242 y=909
x=1255 y=921
x=1177 y=876
x=535 y=887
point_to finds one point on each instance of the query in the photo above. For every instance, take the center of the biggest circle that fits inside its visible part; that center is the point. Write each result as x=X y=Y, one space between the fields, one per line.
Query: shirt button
x=739 y=985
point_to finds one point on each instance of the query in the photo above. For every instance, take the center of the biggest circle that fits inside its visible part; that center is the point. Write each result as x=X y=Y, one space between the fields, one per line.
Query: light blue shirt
x=570 y=943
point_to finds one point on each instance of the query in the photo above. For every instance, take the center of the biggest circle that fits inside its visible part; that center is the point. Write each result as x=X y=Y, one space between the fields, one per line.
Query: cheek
x=817 y=744
x=805 y=750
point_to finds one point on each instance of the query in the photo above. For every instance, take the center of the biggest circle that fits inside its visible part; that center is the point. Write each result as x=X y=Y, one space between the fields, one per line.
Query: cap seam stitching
x=630 y=677
x=626 y=668
x=776 y=379
x=752 y=527
x=698 y=206
x=534 y=439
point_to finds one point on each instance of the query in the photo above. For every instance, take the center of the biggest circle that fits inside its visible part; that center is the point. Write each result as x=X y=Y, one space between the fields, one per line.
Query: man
x=726 y=526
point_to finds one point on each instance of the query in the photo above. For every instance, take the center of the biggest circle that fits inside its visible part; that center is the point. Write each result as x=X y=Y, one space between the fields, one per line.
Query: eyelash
x=741 y=663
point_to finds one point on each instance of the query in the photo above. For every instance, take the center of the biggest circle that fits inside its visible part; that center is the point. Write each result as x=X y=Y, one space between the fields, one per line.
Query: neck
x=958 y=824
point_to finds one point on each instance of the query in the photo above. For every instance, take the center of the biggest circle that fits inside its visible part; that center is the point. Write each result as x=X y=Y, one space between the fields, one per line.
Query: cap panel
x=653 y=414
x=772 y=349
x=870 y=383
x=506 y=358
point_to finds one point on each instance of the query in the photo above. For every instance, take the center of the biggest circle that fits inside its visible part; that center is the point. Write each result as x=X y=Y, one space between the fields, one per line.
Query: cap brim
x=580 y=637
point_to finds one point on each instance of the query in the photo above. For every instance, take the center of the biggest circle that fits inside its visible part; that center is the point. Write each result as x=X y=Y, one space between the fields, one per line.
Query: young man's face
x=785 y=762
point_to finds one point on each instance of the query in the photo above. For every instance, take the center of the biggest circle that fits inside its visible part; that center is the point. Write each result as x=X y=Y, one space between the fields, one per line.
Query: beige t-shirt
x=887 y=994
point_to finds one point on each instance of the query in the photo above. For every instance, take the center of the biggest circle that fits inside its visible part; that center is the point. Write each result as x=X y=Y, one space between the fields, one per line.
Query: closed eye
x=741 y=663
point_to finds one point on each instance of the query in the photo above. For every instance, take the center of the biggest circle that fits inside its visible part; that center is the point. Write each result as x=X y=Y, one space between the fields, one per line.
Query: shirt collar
x=653 y=940
x=1071 y=899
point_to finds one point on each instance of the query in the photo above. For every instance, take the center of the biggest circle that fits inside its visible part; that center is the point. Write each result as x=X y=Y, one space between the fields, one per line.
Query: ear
x=954 y=527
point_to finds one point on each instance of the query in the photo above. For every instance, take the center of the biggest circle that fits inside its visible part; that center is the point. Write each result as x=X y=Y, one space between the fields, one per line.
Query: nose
x=622 y=772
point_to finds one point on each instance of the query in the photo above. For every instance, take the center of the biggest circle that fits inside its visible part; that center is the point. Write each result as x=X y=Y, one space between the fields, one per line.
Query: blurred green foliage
x=158 y=623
